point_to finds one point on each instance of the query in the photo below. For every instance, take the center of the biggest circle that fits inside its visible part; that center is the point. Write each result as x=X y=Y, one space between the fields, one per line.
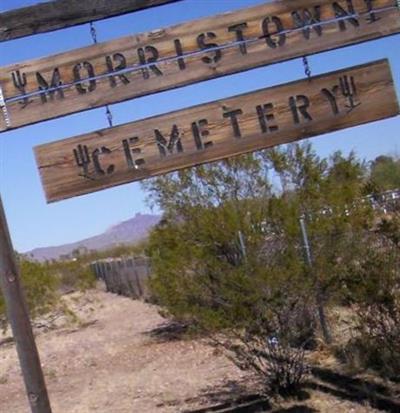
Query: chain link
x=307 y=69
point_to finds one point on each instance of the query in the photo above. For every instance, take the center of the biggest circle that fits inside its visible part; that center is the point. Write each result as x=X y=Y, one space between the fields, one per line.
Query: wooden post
x=19 y=319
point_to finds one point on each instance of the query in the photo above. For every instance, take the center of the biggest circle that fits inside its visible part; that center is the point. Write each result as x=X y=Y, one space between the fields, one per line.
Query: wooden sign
x=204 y=49
x=217 y=130
x=59 y=14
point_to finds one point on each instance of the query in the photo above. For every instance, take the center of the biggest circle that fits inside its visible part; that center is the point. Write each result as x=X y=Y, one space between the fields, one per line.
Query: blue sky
x=33 y=223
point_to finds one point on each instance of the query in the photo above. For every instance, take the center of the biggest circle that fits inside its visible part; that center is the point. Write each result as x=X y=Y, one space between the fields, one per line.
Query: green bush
x=225 y=228
x=43 y=284
x=228 y=257
x=39 y=287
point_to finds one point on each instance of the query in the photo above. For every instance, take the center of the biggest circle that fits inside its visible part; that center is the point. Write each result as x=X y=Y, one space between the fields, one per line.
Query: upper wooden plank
x=216 y=130
x=59 y=14
x=164 y=59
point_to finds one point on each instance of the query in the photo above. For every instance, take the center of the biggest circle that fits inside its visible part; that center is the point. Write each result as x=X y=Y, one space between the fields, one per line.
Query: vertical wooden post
x=19 y=319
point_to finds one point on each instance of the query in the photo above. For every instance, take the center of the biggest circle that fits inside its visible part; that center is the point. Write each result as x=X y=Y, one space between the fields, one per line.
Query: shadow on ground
x=232 y=397
x=169 y=331
x=353 y=389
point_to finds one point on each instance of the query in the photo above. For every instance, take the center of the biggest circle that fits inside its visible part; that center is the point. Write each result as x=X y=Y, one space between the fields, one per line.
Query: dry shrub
x=374 y=289
x=73 y=275
x=273 y=345
x=377 y=341
x=280 y=369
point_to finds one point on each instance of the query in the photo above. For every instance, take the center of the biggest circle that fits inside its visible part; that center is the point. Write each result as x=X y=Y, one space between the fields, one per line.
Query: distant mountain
x=126 y=232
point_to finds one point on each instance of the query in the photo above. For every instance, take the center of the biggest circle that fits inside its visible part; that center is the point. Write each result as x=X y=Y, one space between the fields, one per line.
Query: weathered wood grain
x=274 y=27
x=217 y=130
x=59 y=14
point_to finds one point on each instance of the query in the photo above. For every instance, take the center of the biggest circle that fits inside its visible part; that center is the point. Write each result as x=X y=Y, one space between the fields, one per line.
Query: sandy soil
x=109 y=363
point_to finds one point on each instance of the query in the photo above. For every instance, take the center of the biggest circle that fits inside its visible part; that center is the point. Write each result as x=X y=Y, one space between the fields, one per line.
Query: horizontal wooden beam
x=217 y=130
x=143 y=64
x=59 y=14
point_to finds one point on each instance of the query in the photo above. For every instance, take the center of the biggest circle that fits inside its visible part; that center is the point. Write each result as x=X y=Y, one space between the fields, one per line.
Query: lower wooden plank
x=217 y=130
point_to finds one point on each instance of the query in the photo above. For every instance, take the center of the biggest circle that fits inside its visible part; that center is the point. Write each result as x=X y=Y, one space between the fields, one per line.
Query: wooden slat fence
x=124 y=276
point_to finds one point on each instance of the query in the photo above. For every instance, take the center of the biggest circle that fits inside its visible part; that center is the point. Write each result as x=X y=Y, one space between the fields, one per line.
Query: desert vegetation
x=232 y=262
x=45 y=283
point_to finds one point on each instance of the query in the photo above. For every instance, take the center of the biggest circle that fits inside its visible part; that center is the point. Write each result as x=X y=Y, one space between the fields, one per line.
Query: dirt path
x=113 y=366
x=110 y=364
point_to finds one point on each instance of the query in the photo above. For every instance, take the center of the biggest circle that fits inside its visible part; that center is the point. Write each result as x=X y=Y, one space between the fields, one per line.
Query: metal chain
x=109 y=116
x=307 y=69
x=93 y=33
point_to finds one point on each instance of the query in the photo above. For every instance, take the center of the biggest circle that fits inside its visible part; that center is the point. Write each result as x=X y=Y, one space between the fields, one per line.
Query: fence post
x=242 y=245
x=319 y=299
x=20 y=324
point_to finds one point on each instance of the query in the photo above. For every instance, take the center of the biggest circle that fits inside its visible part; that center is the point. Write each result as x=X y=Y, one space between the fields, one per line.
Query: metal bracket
x=4 y=109
x=33 y=398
